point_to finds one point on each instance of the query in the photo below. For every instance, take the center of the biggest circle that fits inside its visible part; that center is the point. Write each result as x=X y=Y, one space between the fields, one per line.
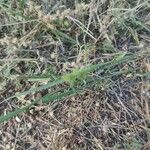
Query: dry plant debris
x=75 y=75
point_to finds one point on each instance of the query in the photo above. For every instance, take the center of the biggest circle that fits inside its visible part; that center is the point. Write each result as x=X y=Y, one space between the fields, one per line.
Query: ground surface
x=42 y=42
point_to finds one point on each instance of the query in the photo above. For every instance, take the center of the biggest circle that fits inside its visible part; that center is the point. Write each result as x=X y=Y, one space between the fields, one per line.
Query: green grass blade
x=63 y=36
x=33 y=90
x=10 y=115
x=81 y=74
x=46 y=99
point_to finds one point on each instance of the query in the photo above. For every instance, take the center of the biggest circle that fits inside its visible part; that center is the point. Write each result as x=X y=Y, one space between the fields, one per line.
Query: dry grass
x=42 y=41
